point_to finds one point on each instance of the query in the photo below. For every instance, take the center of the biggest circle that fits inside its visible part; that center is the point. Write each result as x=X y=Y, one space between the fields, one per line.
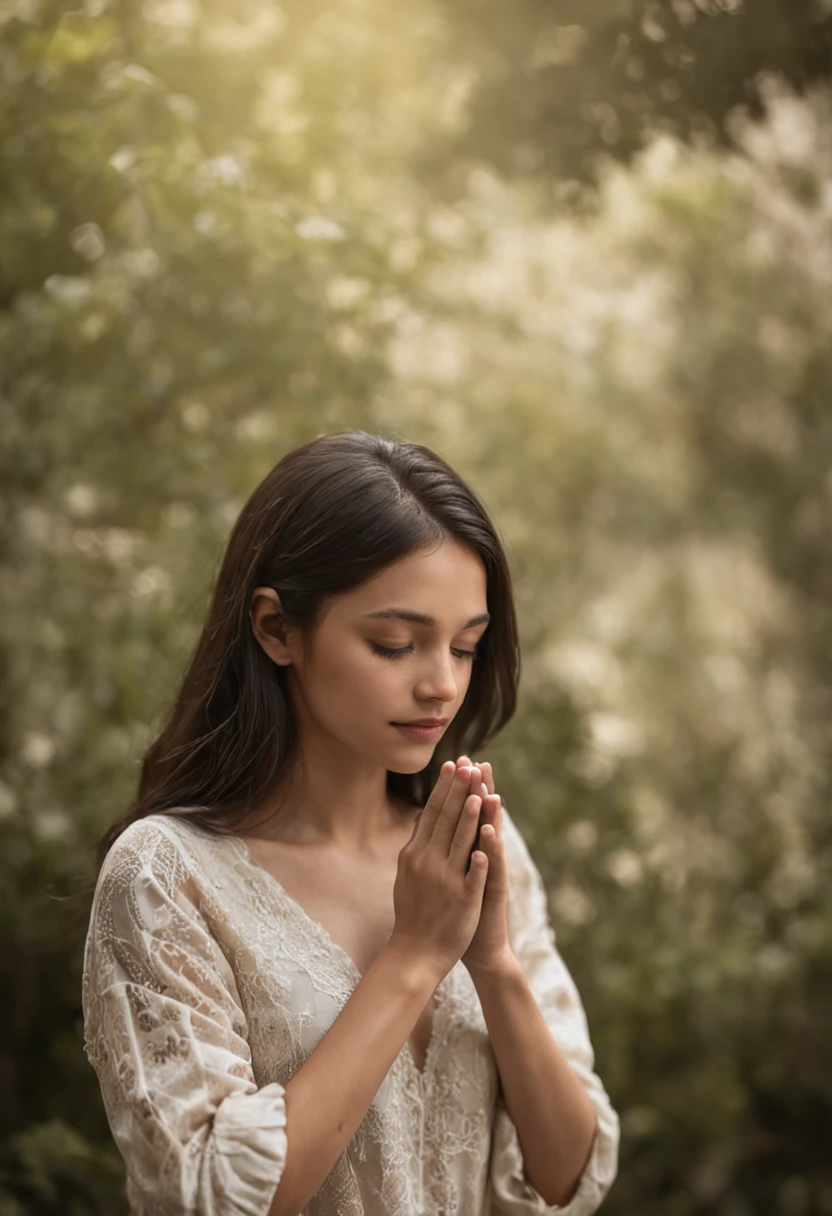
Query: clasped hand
x=490 y=947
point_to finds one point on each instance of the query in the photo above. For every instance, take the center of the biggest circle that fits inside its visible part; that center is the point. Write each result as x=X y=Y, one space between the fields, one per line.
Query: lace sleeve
x=165 y=1031
x=557 y=997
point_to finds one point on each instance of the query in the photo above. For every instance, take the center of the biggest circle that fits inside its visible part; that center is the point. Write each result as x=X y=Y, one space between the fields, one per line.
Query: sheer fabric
x=206 y=987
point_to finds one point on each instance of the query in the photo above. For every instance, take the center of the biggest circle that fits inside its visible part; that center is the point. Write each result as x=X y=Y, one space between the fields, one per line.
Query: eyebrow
x=422 y=618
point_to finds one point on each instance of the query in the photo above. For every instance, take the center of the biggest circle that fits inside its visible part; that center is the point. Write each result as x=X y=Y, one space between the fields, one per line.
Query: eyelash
x=388 y=653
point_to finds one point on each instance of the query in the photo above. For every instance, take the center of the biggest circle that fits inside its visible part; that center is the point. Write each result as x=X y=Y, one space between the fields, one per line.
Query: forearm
x=330 y=1094
x=554 y=1117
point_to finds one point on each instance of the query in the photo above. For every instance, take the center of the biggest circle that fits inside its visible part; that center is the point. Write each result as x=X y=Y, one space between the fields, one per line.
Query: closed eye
x=389 y=653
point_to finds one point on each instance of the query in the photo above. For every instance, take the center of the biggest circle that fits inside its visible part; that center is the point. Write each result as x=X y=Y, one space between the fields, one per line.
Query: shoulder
x=162 y=848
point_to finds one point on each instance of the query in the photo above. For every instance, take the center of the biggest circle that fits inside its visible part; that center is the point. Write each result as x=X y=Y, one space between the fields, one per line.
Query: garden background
x=585 y=252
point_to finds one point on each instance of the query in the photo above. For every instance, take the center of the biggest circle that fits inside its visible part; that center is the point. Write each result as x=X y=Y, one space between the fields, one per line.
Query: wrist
x=503 y=968
x=415 y=968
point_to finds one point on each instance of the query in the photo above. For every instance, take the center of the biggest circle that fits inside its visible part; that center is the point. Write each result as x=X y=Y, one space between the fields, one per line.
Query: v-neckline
x=323 y=934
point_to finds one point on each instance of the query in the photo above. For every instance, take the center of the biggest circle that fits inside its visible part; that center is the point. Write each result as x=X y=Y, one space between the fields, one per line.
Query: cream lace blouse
x=206 y=987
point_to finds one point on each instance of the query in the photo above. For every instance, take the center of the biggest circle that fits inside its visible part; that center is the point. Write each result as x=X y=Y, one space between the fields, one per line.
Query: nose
x=439 y=683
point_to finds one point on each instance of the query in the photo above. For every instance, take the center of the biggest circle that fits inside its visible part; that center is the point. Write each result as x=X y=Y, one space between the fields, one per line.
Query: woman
x=320 y=975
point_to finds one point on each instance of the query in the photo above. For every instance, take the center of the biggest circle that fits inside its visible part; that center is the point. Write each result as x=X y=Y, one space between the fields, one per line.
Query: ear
x=269 y=628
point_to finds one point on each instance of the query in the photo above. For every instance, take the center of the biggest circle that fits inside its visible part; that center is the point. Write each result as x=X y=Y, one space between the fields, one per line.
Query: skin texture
x=346 y=696
x=346 y=699
x=490 y=947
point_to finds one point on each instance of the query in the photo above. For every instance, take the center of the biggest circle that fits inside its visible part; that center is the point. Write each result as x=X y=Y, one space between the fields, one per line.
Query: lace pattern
x=206 y=987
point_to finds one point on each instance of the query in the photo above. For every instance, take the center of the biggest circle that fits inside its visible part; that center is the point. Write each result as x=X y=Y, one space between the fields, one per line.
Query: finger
x=445 y=820
x=489 y=835
x=493 y=812
x=498 y=880
x=499 y=818
x=490 y=806
x=477 y=874
x=434 y=804
x=479 y=789
x=487 y=774
x=466 y=831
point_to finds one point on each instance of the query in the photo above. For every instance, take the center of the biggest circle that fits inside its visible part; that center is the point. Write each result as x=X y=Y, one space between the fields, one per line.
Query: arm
x=166 y=1033
x=555 y=1120
x=330 y=1094
x=556 y=1135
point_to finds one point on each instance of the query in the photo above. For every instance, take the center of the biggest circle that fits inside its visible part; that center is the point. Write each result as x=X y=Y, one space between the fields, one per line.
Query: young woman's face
x=374 y=668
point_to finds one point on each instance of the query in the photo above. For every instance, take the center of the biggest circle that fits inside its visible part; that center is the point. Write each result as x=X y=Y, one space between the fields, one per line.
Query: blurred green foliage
x=558 y=88
x=217 y=241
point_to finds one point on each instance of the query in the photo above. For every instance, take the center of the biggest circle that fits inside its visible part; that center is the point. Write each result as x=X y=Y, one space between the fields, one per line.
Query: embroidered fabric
x=206 y=987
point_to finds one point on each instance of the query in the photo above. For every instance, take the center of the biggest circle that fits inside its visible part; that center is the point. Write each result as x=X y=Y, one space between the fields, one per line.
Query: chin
x=410 y=767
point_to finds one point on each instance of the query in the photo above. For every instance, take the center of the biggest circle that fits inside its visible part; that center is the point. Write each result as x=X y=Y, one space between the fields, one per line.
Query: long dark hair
x=329 y=516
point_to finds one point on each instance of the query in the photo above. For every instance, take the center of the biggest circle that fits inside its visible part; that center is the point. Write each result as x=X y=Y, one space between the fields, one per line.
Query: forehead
x=447 y=581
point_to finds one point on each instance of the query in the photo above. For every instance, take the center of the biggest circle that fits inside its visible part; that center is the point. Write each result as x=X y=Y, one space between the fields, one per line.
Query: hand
x=490 y=947
x=437 y=895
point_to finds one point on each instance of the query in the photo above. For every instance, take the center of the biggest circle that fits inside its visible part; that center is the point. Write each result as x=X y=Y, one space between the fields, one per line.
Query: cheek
x=355 y=679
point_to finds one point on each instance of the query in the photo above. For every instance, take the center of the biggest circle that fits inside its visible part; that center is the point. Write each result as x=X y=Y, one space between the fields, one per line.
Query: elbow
x=561 y=1196
x=552 y=1198
x=555 y=1198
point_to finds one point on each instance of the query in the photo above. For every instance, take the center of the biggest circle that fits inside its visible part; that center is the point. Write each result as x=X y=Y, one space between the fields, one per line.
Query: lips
x=432 y=722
